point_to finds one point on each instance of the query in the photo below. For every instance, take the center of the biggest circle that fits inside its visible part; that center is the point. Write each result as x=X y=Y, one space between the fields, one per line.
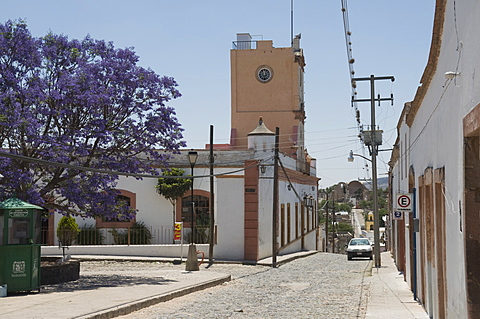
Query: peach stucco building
x=268 y=82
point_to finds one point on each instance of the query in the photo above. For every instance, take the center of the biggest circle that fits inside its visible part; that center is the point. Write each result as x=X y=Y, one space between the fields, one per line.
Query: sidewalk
x=123 y=299
x=390 y=296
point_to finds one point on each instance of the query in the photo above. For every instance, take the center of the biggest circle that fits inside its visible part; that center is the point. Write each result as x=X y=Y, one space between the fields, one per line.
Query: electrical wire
x=351 y=60
x=109 y=172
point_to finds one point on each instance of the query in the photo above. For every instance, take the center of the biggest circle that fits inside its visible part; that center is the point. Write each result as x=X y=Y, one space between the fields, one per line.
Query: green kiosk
x=20 y=243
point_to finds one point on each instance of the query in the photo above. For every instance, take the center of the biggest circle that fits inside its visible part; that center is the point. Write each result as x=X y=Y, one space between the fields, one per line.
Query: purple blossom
x=81 y=102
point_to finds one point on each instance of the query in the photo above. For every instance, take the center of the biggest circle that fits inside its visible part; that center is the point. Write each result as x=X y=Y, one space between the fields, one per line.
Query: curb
x=146 y=302
x=289 y=259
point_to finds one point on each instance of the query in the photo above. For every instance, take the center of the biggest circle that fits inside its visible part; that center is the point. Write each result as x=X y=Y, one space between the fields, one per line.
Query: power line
x=109 y=172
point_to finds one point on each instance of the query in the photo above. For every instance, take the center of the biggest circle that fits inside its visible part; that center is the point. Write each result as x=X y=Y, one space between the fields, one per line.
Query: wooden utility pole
x=212 y=201
x=334 y=219
x=373 y=147
x=326 y=225
x=275 y=200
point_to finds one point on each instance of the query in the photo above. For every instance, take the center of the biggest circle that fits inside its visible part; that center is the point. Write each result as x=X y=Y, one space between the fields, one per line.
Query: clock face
x=264 y=74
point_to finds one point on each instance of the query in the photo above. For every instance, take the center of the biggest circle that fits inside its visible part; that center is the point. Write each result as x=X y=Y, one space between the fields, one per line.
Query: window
x=282 y=225
x=201 y=208
x=289 y=221
x=18 y=230
x=130 y=199
x=307 y=213
x=297 y=222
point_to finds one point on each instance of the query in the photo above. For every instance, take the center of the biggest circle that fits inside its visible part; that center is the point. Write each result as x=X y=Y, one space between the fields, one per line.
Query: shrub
x=67 y=230
x=90 y=235
x=200 y=230
x=139 y=235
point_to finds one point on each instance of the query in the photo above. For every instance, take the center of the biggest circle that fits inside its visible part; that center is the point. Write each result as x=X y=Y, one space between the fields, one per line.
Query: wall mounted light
x=451 y=74
x=263 y=169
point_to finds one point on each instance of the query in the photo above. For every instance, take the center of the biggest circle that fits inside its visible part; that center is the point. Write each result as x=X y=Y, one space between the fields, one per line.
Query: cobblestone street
x=319 y=286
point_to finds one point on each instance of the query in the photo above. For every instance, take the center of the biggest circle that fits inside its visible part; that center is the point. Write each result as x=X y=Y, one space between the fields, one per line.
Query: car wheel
x=371 y=257
x=349 y=257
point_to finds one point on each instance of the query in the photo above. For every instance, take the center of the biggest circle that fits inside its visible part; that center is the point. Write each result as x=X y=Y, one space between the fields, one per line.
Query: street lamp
x=192 y=260
x=350 y=157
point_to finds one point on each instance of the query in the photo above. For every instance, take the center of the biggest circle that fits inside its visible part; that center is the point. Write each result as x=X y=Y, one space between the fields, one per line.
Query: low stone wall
x=53 y=271
x=168 y=251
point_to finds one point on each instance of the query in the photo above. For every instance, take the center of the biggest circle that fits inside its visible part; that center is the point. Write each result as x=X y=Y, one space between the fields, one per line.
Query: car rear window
x=360 y=242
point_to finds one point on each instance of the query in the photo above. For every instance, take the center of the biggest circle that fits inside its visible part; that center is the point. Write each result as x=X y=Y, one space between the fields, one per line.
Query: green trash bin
x=20 y=245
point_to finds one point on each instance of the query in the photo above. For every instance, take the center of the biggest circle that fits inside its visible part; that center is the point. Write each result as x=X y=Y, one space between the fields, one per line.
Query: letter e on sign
x=404 y=202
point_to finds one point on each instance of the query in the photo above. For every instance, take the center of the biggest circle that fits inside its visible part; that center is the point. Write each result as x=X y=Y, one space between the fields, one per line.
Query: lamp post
x=192 y=261
x=192 y=158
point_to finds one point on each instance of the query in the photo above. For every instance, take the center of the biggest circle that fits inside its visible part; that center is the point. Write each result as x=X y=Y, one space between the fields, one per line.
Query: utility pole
x=326 y=223
x=374 y=152
x=334 y=219
x=212 y=202
x=275 y=200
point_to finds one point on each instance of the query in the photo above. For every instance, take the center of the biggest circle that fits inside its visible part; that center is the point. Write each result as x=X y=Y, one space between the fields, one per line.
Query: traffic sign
x=404 y=202
x=177 y=232
x=397 y=215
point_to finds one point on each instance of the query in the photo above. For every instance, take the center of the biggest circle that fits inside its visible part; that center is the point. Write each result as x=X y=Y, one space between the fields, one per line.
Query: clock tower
x=267 y=82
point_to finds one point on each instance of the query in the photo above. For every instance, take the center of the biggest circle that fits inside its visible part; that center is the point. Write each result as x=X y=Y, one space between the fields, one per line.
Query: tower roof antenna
x=291 y=22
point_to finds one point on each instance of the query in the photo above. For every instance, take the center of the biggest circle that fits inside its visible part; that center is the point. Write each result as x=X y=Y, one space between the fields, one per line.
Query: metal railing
x=123 y=236
x=244 y=45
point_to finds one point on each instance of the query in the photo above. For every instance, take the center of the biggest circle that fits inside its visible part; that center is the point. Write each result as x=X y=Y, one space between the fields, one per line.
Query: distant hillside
x=382 y=183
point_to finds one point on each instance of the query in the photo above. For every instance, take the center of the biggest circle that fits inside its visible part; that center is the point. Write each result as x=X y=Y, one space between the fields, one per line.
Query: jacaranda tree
x=84 y=103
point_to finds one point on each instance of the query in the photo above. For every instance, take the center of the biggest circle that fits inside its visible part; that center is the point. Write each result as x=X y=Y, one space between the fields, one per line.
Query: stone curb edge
x=146 y=302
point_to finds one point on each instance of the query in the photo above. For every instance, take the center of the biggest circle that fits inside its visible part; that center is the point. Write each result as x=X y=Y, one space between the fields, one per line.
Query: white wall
x=436 y=140
x=265 y=215
x=153 y=209
x=230 y=219
x=266 y=212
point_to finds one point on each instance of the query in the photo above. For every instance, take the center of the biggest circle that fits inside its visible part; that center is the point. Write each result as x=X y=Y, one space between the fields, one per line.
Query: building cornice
x=432 y=63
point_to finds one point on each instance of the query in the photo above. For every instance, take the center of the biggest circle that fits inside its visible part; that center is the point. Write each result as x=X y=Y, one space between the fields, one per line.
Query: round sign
x=403 y=201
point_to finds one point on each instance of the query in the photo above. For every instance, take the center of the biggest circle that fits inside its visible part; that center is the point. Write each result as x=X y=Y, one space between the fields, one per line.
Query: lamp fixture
x=350 y=157
x=192 y=157
x=451 y=74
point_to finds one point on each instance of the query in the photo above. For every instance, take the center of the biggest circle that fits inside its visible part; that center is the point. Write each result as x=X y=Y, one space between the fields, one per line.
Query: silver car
x=359 y=247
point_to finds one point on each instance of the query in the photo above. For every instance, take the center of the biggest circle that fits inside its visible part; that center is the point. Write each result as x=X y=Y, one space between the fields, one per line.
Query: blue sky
x=191 y=41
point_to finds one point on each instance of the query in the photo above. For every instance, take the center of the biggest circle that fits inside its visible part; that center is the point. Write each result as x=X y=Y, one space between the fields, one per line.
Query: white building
x=436 y=158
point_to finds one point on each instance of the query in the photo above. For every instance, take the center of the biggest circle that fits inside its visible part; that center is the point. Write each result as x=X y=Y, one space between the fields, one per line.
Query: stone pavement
x=389 y=294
